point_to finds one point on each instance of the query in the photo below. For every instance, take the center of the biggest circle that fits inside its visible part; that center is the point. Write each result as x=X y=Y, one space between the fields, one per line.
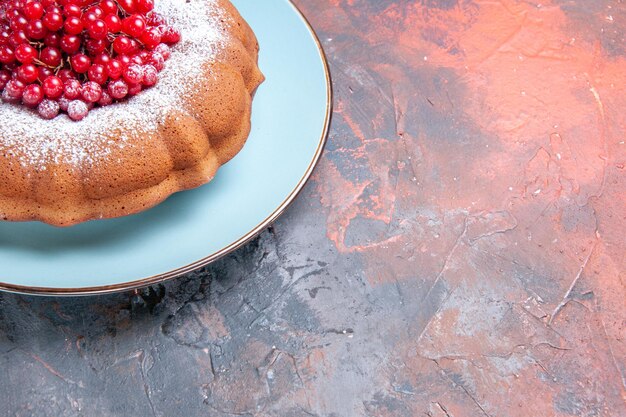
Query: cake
x=129 y=156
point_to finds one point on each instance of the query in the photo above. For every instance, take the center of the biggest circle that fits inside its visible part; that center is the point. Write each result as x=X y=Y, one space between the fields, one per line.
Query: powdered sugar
x=38 y=142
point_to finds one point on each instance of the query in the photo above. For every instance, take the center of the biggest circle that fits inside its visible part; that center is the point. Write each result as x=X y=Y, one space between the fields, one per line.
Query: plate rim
x=254 y=232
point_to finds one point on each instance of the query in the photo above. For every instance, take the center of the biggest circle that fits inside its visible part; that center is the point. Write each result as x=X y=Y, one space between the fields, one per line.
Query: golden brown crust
x=184 y=151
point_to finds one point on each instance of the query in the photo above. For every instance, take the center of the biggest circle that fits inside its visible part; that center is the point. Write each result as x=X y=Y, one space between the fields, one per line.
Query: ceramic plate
x=290 y=119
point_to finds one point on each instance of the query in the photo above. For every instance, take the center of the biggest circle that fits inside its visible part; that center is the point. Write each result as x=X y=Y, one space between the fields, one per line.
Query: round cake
x=130 y=156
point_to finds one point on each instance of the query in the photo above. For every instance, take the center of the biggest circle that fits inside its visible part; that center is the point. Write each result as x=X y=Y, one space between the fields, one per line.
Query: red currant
x=127 y=5
x=33 y=10
x=73 y=26
x=48 y=109
x=25 y=53
x=80 y=63
x=72 y=89
x=97 y=73
x=97 y=29
x=77 y=110
x=72 y=10
x=43 y=73
x=50 y=56
x=144 y=6
x=151 y=38
x=67 y=74
x=53 y=21
x=7 y=55
x=108 y=6
x=5 y=76
x=32 y=95
x=150 y=76
x=70 y=44
x=118 y=89
x=170 y=35
x=115 y=69
x=122 y=45
x=52 y=39
x=36 y=30
x=71 y=55
x=14 y=89
x=134 y=25
x=27 y=73
x=53 y=87
x=105 y=99
x=91 y=92
x=133 y=74
x=113 y=22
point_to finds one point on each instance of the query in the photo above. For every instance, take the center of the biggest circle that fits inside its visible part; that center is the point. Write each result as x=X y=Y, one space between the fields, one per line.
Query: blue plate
x=290 y=119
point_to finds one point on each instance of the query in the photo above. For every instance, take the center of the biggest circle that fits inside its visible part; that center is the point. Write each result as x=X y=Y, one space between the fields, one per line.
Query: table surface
x=458 y=252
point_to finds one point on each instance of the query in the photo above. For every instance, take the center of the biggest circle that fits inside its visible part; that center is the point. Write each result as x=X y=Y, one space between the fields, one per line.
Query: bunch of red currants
x=71 y=55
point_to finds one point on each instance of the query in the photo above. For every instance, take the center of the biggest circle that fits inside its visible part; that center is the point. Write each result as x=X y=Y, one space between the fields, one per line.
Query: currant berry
x=118 y=89
x=70 y=44
x=5 y=76
x=17 y=38
x=27 y=73
x=53 y=21
x=72 y=89
x=50 y=56
x=53 y=87
x=8 y=98
x=151 y=38
x=91 y=92
x=97 y=29
x=36 y=30
x=144 y=6
x=170 y=35
x=66 y=74
x=52 y=39
x=122 y=45
x=72 y=10
x=33 y=10
x=43 y=73
x=32 y=95
x=114 y=69
x=96 y=46
x=157 y=61
x=7 y=55
x=108 y=6
x=134 y=25
x=102 y=58
x=80 y=63
x=73 y=26
x=77 y=110
x=97 y=11
x=14 y=88
x=97 y=73
x=134 y=89
x=25 y=53
x=127 y=5
x=64 y=103
x=18 y=23
x=133 y=74
x=113 y=22
x=105 y=99
x=48 y=109
x=155 y=19
x=150 y=76
x=164 y=50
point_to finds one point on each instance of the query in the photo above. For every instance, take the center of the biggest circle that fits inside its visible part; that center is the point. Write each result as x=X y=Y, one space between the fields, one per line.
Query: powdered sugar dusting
x=39 y=142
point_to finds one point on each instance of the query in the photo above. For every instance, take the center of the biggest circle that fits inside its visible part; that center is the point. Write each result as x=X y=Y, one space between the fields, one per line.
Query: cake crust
x=133 y=165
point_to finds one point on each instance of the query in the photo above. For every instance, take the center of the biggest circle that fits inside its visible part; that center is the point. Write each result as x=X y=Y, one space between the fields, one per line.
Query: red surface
x=479 y=151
